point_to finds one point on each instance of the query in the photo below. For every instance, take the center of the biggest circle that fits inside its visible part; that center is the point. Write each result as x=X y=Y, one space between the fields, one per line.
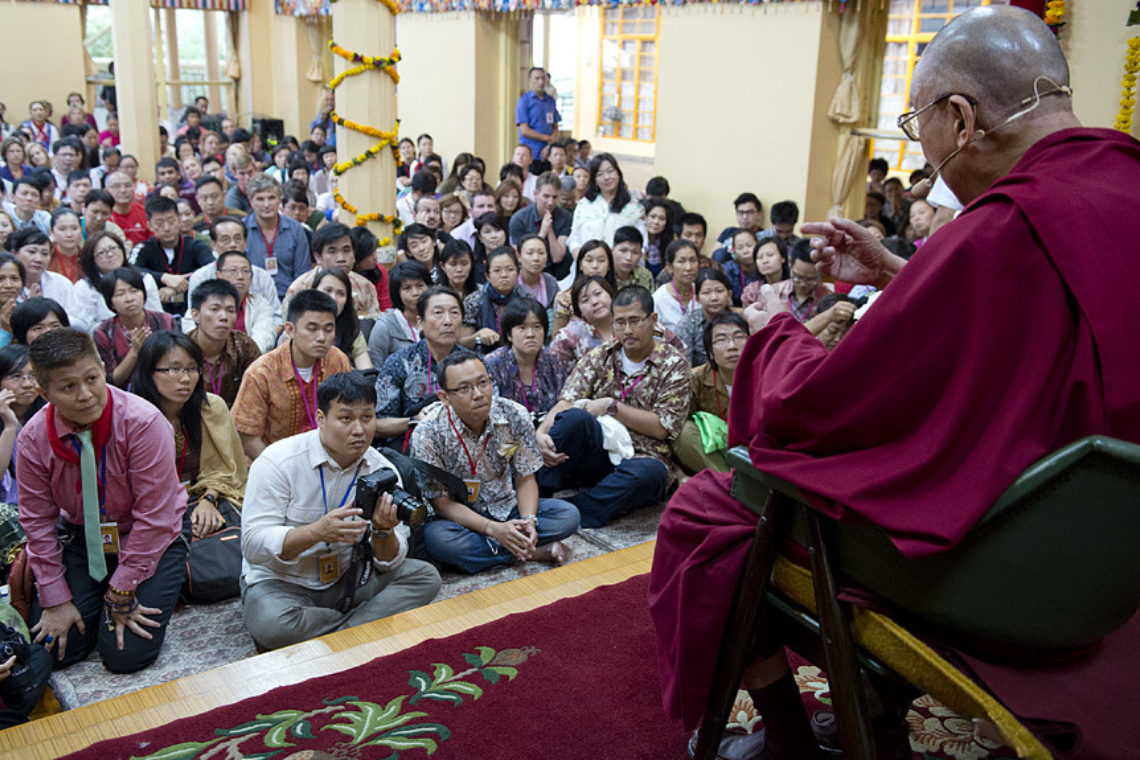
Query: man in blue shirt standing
x=537 y=116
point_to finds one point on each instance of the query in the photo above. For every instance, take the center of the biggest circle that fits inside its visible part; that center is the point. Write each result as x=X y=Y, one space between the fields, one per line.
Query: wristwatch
x=478 y=343
x=611 y=410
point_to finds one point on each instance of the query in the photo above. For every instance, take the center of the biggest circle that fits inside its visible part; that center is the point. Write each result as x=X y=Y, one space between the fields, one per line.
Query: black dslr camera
x=13 y=643
x=409 y=509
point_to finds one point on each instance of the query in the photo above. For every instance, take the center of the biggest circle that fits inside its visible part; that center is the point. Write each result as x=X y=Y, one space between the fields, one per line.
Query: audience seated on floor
x=627 y=259
x=19 y=400
x=703 y=440
x=278 y=393
x=275 y=242
x=34 y=317
x=311 y=564
x=486 y=441
x=594 y=257
x=749 y=216
x=32 y=249
x=534 y=280
x=104 y=252
x=799 y=295
x=333 y=249
x=399 y=326
x=676 y=298
x=226 y=352
x=714 y=297
x=636 y=381
x=482 y=310
x=548 y=221
x=171 y=374
x=349 y=338
x=112 y=558
x=120 y=338
x=169 y=256
x=255 y=317
x=525 y=370
x=407 y=381
x=742 y=270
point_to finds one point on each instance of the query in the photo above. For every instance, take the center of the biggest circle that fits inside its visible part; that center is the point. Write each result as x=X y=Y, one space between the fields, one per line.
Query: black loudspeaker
x=272 y=131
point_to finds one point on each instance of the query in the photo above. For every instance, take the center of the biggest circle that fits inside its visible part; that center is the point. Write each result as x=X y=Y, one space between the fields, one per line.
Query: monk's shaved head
x=994 y=54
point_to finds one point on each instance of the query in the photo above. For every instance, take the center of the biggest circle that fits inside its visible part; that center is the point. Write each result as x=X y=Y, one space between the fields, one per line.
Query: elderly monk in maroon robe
x=1009 y=335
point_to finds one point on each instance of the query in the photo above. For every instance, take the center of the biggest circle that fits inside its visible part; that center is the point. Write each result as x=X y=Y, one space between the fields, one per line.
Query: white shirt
x=284 y=492
x=528 y=186
x=593 y=220
x=59 y=289
x=261 y=283
x=669 y=309
x=91 y=309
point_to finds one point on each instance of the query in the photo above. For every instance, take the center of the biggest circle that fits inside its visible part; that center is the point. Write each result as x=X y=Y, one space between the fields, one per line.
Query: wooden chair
x=1051 y=565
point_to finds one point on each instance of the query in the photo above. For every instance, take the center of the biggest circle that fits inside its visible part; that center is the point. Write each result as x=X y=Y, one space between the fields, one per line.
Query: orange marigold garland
x=384 y=139
x=1055 y=15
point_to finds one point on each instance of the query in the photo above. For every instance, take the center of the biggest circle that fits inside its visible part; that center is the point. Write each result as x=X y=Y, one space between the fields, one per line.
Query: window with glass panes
x=911 y=24
x=628 y=103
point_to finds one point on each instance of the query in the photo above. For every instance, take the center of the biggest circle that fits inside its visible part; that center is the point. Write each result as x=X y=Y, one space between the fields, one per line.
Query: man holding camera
x=304 y=574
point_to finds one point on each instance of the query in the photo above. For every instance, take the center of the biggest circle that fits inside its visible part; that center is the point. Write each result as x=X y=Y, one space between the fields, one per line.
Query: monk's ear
x=964 y=115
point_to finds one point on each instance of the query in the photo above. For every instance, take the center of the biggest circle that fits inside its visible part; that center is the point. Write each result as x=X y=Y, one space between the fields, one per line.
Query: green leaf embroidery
x=442 y=673
x=491 y=675
x=503 y=670
x=418 y=680
x=486 y=654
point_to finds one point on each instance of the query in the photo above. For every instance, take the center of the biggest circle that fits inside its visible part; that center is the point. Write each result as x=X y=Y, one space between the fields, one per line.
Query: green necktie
x=96 y=562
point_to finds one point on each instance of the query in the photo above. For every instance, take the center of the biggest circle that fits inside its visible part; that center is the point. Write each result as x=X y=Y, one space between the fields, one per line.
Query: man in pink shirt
x=96 y=471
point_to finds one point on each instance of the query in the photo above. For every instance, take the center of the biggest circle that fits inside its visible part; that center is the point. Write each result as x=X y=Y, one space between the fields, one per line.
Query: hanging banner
x=195 y=5
x=321 y=7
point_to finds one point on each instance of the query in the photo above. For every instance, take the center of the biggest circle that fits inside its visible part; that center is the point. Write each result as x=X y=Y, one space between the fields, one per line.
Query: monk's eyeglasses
x=908 y=122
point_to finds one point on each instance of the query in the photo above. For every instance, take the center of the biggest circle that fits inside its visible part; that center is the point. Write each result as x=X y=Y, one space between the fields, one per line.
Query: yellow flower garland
x=1128 y=86
x=1055 y=12
x=384 y=139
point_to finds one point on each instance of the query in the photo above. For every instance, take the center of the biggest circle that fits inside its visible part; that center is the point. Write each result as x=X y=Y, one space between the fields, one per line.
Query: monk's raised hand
x=846 y=251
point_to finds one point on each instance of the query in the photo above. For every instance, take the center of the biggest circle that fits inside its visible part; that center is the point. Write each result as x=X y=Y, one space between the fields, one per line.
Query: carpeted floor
x=202 y=637
x=526 y=686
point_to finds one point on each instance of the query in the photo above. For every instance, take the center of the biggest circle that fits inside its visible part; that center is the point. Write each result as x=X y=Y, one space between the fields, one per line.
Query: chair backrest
x=1053 y=564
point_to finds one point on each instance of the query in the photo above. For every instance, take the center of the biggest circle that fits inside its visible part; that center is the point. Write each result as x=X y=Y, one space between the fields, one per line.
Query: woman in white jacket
x=606 y=207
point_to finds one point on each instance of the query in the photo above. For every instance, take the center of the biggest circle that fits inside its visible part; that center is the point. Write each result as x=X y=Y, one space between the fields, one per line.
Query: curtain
x=846 y=106
x=851 y=164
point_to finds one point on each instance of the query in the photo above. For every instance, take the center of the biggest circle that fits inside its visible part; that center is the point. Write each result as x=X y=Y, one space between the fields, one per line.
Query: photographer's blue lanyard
x=102 y=476
x=344 y=499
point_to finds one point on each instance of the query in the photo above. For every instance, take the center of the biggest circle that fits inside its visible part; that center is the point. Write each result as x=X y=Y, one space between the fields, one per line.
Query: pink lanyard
x=310 y=412
x=677 y=295
x=216 y=378
x=411 y=330
x=533 y=386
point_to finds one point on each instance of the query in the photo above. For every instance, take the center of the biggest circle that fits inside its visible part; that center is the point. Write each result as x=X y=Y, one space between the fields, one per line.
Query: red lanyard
x=43 y=134
x=71 y=270
x=310 y=412
x=677 y=295
x=239 y=323
x=268 y=245
x=216 y=378
x=466 y=451
x=533 y=386
x=178 y=262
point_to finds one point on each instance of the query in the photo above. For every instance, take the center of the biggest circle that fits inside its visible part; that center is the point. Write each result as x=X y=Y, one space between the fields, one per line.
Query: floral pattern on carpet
x=203 y=637
x=936 y=733
x=365 y=724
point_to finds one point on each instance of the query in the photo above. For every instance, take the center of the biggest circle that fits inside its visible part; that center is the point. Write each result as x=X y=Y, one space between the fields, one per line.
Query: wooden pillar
x=213 y=91
x=173 y=70
x=366 y=27
x=135 y=81
x=159 y=68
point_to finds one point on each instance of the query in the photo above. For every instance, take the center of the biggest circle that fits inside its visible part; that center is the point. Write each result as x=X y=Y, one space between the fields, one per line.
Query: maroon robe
x=1009 y=335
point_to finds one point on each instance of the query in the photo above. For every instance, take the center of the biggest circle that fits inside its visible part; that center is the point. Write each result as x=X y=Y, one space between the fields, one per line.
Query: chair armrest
x=750 y=486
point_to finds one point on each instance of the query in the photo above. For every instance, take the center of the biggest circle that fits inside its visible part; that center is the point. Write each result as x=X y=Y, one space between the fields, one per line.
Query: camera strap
x=455 y=486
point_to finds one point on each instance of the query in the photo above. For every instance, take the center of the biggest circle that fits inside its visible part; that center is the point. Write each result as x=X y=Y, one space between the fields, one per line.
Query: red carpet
x=575 y=679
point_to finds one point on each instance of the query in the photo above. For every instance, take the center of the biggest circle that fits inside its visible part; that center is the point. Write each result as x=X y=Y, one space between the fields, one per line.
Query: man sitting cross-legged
x=641 y=383
x=103 y=511
x=228 y=353
x=300 y=524
x=278 y=394
x=488 y=442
